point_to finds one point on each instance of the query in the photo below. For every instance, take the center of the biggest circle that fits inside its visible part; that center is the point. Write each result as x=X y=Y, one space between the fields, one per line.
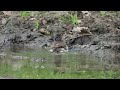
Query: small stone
x=61 y=51
x=51 y=50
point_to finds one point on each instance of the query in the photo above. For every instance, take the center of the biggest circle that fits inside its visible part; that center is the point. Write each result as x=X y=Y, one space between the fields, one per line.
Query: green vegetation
x=24 y=13
x=28 y=72
x=118 y=14
x=74 y=19
x=71 y=19
x=102 y=13
x=36 y=24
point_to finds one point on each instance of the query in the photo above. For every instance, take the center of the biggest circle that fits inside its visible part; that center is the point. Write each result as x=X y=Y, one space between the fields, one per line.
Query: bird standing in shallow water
x=58 y=46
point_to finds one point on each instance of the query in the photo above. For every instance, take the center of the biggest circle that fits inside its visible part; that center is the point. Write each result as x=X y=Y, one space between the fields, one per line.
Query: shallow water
x=41 y=59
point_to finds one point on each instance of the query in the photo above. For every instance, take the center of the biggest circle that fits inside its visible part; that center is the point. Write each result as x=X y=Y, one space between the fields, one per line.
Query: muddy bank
x=94 y=34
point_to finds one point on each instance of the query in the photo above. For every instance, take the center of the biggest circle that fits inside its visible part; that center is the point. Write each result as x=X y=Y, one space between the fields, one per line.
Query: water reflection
x=66 y=62
x=59 y=67
x=58 y=60
x=16 y=47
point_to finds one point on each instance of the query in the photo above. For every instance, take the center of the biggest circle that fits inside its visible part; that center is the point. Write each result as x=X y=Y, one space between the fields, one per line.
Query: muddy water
x=58 y=63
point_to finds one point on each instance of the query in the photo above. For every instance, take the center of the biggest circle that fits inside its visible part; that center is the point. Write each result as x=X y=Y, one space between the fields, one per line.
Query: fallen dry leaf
x=78 y=29
x=82 y=30
x=44 y=31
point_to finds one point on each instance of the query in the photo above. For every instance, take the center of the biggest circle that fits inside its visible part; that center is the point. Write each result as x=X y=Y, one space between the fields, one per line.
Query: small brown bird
x=57 y=46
